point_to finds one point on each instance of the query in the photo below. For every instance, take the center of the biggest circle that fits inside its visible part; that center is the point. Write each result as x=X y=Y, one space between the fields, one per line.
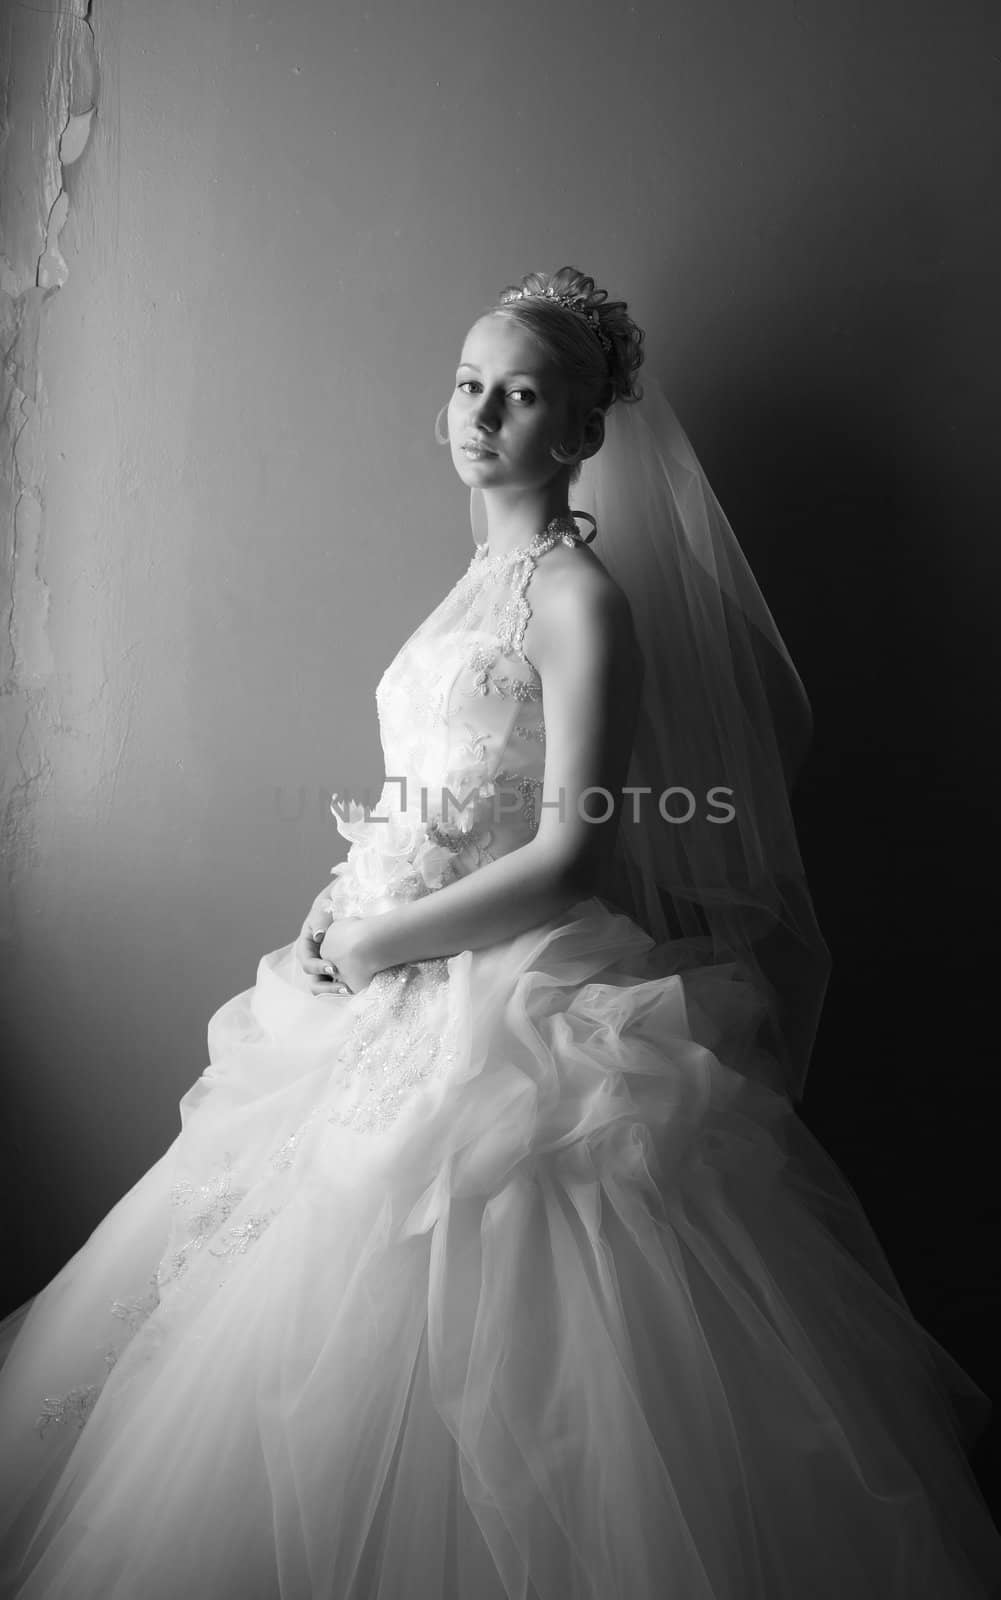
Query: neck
x=515 y=516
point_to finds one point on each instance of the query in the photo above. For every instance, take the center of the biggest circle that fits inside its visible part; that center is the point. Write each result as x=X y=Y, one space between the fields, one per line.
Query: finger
x=312 y=965
x=322 y=971
x=308 y=957
x=329 y=986
x=310 y=947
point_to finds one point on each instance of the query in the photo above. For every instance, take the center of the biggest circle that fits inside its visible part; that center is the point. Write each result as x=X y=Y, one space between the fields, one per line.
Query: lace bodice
x=463 y=739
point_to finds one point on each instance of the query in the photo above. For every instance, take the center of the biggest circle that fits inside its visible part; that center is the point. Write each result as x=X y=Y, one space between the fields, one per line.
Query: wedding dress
x=509 y=1277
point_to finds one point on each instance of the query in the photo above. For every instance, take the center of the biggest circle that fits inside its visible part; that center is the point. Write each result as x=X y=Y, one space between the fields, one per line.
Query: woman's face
x=509 y=400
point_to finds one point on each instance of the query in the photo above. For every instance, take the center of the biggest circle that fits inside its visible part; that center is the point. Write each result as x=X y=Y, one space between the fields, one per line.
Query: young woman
x=491 y=1261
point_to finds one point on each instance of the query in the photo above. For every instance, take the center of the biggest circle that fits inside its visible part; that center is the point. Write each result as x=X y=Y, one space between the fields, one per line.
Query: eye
x=474 y=383
x=471 y=384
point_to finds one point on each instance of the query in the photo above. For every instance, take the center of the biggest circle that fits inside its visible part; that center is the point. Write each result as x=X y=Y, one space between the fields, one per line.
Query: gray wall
x=275 y=231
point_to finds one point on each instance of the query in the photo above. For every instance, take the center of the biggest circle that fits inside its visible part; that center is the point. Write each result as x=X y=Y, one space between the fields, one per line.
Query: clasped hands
x=335 y=953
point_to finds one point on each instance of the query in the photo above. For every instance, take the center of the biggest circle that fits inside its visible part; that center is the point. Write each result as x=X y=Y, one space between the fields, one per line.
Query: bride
x=491 y=1261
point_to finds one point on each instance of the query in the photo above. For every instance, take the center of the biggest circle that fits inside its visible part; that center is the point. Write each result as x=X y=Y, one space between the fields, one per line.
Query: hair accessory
x=570 y=302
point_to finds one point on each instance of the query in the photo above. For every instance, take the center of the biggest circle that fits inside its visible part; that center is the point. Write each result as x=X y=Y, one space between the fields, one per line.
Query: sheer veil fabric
x=707 y=857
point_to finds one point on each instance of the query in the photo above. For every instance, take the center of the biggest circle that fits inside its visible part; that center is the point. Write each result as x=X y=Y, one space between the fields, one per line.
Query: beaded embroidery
x=526 y=787
x=399 y=1040
x=287 y=1152
x=518 y=689
x=220 y=1201
x=237 y=1240
x=134 y=1312
x=75 y=1406
x=512 y=620
x=480 y=663
x=473 y=752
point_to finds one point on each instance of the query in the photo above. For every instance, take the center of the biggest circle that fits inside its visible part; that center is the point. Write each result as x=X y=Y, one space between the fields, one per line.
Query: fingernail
x=330 y=970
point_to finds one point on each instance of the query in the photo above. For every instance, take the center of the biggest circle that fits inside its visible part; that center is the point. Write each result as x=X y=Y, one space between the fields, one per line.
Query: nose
x=484 y=415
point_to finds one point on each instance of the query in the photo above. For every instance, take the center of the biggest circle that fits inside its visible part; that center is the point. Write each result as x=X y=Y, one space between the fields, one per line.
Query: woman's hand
x=307 y=948
x=346 y=957
x=336 y=955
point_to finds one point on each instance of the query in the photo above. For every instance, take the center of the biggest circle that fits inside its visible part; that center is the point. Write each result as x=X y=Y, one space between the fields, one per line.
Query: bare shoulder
x=572 y=590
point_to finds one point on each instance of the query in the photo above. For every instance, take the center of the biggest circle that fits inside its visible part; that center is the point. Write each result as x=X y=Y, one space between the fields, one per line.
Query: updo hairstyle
x=596 y=377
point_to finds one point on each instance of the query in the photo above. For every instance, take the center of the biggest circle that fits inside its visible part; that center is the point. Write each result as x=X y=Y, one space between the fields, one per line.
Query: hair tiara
x=569 y=302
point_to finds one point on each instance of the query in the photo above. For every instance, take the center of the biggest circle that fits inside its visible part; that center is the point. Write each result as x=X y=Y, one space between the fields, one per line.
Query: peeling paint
x=31 y=655
x=72 y=95
x=50 y=97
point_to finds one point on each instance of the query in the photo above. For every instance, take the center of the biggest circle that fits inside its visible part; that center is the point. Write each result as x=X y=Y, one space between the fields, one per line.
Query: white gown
x=495 y=1281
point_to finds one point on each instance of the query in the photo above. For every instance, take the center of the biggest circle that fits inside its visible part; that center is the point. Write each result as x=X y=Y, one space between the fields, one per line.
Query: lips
x=472 y=448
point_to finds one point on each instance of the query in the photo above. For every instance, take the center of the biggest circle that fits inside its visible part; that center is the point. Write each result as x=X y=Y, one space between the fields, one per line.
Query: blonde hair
x=595 y=377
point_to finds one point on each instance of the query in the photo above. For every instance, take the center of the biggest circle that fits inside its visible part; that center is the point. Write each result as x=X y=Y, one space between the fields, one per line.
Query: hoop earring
x=586 y=539
x=564 y=459
x=437 y=432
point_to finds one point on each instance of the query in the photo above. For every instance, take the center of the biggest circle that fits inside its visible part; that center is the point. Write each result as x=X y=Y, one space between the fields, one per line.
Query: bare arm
x=582 y=644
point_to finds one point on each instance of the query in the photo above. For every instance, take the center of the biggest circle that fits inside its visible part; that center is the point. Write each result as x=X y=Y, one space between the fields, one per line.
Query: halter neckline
x=538 y=546
x=560 y=529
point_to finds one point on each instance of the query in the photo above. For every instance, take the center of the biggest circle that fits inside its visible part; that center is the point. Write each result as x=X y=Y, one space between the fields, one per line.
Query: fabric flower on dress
x=359 y=821
x=402 y=855
x=436 y=864
x=381 y=861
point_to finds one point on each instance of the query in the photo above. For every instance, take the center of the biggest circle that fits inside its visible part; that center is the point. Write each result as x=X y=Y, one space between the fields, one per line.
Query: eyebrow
x=535 y=376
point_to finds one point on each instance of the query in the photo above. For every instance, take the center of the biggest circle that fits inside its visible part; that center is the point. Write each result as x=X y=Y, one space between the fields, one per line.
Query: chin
x=473 y=471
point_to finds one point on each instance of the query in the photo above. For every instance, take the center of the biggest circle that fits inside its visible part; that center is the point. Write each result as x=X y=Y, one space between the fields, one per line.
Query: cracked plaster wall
x=132 y=680
x=50 y=94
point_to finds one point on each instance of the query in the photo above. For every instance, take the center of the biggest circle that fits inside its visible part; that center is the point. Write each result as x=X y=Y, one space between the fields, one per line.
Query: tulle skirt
x=508 y=1278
